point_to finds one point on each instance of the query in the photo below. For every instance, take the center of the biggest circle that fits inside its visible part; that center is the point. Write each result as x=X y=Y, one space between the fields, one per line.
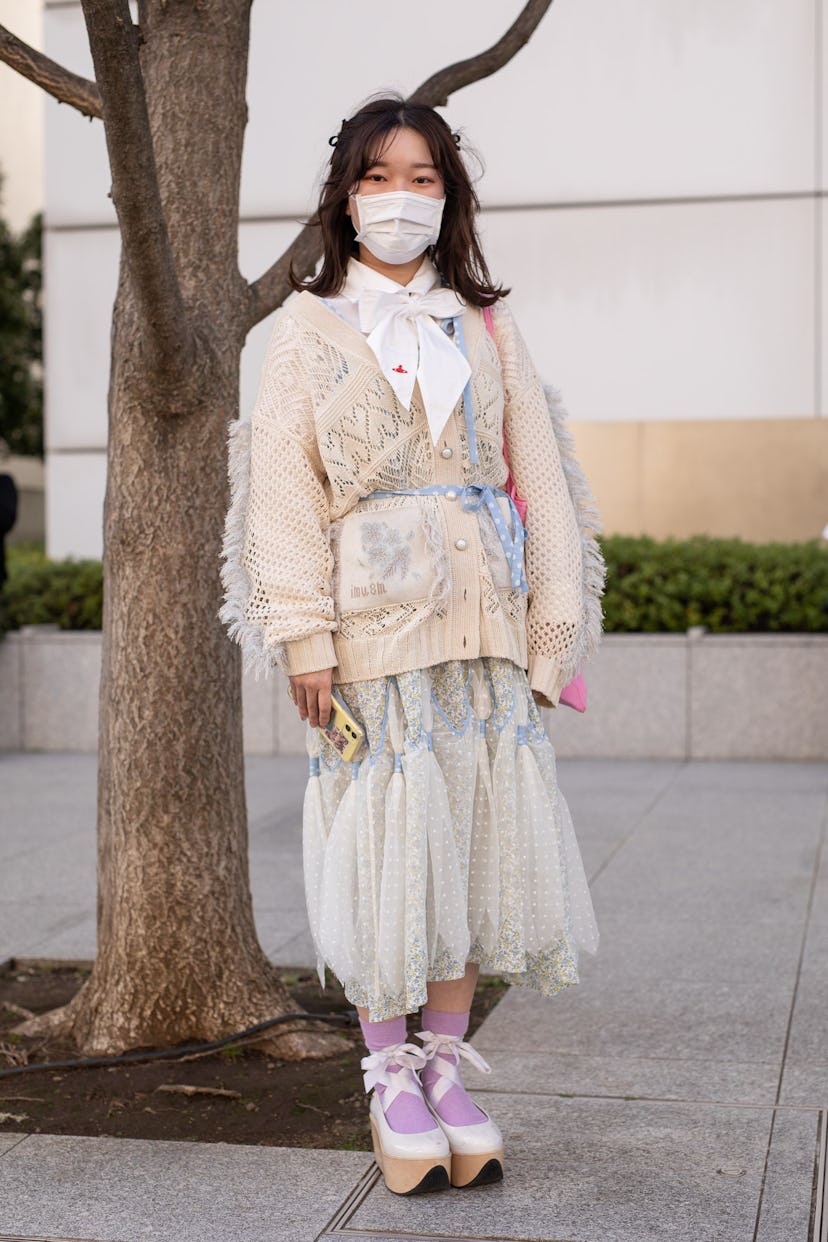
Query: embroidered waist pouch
x=397 y=555
x=472 y=496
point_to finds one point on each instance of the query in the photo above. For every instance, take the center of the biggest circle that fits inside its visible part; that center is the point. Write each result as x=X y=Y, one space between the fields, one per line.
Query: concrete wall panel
x=682 y=311
x=81 y=269
x=758 y=479
x=75 y=489
x=608 y=101
x=77 y=169
x=759 y=697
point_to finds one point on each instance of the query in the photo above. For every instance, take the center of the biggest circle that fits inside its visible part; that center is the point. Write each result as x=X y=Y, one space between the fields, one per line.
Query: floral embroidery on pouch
x=387 y=550
x=384 y=560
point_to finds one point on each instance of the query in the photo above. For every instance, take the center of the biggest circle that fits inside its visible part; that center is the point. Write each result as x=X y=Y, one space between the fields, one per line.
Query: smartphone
x=342 y=731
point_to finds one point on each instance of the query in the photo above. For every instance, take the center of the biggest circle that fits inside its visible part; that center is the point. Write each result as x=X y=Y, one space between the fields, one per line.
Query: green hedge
x=724 y=584
x=652 y=587
x=40 y=592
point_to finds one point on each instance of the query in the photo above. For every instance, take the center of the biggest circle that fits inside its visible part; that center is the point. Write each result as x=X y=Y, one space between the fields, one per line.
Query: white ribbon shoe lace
x=444 y=1053
x=408 y=1057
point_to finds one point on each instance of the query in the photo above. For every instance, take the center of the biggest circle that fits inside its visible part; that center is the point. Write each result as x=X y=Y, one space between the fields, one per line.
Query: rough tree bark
x=178 y=956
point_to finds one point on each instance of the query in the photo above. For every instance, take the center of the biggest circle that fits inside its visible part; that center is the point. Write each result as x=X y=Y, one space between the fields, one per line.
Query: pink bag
x=574 y=693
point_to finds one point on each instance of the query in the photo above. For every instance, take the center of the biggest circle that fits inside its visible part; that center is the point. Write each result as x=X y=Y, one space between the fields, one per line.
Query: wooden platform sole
x=468 y=1171
x=411 y=1177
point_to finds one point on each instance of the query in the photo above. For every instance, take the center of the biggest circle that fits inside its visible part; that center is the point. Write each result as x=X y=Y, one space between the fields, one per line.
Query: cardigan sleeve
x=553 y=554
x=286 y=555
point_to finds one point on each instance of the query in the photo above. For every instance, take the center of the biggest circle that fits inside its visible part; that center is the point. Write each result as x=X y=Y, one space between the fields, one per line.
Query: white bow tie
x=410 y=346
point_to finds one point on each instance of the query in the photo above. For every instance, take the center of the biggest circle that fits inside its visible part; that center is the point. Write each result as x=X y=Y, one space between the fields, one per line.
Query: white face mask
x=398 y=226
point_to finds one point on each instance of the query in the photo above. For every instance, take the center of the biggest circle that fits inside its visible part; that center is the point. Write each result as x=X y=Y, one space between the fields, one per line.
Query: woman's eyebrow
x=383 y=164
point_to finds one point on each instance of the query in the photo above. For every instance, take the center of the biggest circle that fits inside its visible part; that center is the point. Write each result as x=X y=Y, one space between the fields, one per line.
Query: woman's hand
x=311 y=692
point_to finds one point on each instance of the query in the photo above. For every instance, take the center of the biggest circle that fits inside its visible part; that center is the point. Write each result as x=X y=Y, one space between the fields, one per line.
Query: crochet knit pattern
x=428 y=580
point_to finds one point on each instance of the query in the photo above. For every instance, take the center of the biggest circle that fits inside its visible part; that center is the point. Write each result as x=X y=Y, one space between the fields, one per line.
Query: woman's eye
x=374 y=177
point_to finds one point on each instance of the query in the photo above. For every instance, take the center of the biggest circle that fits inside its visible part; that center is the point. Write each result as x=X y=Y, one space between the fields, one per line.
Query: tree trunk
x=178 y=956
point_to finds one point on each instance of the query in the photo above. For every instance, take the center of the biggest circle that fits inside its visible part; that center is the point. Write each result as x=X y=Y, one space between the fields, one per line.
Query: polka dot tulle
x=449 y=842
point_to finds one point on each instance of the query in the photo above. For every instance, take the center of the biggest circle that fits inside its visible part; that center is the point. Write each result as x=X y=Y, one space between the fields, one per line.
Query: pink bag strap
x=487 y=319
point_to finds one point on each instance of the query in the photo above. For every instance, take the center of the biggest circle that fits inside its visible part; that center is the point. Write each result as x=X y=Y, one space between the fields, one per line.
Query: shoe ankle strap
x=448 y=1050
x=406 y=1058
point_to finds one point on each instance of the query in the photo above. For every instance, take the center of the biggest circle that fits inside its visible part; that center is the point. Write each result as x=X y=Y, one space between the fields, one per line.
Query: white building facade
x=654 y=195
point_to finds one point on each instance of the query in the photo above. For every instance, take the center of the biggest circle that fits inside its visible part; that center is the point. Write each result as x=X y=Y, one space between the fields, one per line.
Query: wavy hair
x=456 y=254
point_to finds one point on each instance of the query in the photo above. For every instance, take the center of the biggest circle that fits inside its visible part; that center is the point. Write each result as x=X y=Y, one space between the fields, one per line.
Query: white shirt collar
x=360 y=277
x=399 y=323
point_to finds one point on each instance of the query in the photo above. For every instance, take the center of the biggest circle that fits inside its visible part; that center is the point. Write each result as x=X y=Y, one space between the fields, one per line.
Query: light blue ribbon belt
x=472 y=496
x=456 y=330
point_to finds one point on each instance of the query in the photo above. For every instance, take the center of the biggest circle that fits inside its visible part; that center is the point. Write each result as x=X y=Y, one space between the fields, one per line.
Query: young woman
x=372 y=549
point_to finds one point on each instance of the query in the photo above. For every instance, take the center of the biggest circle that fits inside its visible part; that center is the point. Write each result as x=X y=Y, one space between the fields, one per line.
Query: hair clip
x=456 y=138
x=334 y=138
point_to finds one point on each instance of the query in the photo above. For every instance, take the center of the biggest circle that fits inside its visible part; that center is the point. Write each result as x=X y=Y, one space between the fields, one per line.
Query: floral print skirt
x=449 y=842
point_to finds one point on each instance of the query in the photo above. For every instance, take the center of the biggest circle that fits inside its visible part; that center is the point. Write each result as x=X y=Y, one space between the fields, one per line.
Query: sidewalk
x=680 y=1093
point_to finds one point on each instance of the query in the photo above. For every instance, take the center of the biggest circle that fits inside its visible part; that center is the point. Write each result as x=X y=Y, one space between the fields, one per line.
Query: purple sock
x=456 y=1108
x=407 y=1114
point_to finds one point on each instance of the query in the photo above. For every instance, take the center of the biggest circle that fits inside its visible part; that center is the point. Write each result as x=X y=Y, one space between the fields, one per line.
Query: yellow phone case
x=343 y=732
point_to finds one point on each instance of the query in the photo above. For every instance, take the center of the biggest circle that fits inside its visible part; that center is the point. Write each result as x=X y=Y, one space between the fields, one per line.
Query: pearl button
x=451 y=494
x=446 y=452
x=460 y=544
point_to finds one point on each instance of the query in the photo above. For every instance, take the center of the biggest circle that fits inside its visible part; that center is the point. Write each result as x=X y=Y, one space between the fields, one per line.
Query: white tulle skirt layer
x=450 y=843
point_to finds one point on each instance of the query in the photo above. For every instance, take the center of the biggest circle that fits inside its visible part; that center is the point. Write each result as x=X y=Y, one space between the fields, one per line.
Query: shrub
x=40 y=592
x=652 y=587
x=724 y=584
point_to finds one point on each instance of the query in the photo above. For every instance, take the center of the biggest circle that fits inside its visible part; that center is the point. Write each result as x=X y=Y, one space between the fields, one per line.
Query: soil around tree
x=241 y=1095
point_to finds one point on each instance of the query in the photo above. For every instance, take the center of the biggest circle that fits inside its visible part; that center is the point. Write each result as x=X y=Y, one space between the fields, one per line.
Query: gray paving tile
x=297 y=951
x=75 y=938
x=662 y=1078
x=752 y=776
x=808 y=1038
x=641 y=778
x=34 y=932
x=39 y=875
x=786 y=1202
x=649 y=877
x=805 y=1085
x=275 y=787
x=8 y=1141
x=276 y=927
x=132 y=1190
x=276 y=884
x=602 y=1171
x=637 y=945
x=48 y=920
x=652 y=1018
x=60 y=787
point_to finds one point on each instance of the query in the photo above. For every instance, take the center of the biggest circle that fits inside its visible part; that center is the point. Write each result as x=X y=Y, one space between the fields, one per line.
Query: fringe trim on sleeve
x=590 y=525
x=234 y=577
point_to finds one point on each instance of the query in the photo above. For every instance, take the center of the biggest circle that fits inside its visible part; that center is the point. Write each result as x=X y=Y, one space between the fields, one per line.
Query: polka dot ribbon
x=473 y=496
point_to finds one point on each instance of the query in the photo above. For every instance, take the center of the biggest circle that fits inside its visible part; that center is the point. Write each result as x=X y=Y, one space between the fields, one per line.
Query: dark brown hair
x=457 y=254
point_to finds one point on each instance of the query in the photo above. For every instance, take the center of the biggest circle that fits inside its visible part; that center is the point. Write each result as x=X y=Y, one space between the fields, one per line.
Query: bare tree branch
x=65 y=86
x=113 y=40
x=271 y=289
x=436 y=89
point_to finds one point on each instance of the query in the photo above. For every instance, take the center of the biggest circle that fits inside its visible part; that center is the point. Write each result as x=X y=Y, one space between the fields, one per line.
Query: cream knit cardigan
x=317 y=577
